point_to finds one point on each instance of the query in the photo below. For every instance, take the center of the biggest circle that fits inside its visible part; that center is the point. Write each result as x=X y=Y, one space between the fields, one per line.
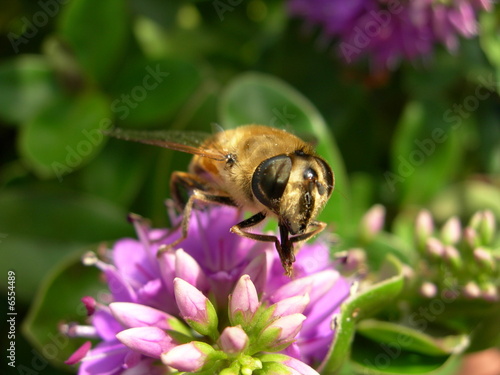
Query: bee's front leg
x=319 y=226
x=284 y=248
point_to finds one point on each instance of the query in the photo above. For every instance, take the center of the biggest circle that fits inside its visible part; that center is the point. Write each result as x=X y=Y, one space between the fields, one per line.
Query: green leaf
x=59 y=300
x=97 y=33
x=65 y=135
x=27 y=84
x=128 y=164
x=384 y=244
x=486 y=329
x=381 y=359
x=149 y=92
x=42 y=253
x=362 y=188
x=426 y=148
x=489 y=37
x=464 y=199
x=362 y=305
x=254 y=98
x=42 y=226
x=61 y=214
x=411 y=339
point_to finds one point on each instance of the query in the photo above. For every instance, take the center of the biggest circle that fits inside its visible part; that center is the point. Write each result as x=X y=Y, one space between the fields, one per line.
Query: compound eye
x=270 y=178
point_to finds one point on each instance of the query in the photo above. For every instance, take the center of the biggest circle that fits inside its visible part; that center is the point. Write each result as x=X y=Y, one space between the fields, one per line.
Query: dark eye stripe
x=327 y=172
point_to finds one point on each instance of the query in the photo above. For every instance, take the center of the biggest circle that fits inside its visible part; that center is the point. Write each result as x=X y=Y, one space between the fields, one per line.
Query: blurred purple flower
x=163 y=305
x=388 y=31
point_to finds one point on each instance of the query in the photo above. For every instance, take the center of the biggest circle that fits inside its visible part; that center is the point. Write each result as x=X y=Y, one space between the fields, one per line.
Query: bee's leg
x=194 y=184
x=183 y=182
x=182 y=185
x=284 y=248
x=305 y=236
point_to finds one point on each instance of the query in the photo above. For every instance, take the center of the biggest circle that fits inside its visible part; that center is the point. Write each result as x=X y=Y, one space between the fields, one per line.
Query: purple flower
x=389 y=31
x=220 y=302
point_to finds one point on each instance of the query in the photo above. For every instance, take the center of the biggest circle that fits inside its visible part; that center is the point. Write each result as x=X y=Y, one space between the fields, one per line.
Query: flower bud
x=150 y=341
x=90 y=305
x=451 y=231
x=244 y=302
x=424 y=227
x=484 y=223
x=471 y=290
x=434 y=248
x=191 y=357
x=372 y=222
x=452 y=256
x=355 y=260
x=490 y=293
x=233 y=340
x=428 y=289
x=486 y=227
x=471 y=238
x=484 y=258
x=281 y=333
x=195 y=308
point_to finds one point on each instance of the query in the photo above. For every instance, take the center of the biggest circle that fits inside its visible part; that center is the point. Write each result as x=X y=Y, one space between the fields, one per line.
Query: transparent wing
x=184 y=141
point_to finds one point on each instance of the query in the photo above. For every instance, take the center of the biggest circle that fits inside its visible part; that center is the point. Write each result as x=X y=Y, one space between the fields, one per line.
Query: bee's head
x=294 y=187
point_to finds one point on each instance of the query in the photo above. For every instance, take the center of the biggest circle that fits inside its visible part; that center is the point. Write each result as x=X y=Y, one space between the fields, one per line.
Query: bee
x=266 y=171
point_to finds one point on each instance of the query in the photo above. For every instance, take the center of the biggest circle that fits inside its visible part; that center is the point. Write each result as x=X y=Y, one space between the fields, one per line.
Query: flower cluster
x=221 y=304
x=389 y=31
x=461 y=260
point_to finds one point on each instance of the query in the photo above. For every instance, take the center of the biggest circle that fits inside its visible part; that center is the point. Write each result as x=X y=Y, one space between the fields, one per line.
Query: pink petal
x=298 y=367
x=188 y=269
x=90 y=304
x=80 y=353
x=289 y=325
x=136 y=315
x=150 y=341
x=292 y=305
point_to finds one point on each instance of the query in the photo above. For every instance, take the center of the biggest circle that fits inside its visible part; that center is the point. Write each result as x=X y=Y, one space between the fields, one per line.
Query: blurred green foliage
x=423 y=135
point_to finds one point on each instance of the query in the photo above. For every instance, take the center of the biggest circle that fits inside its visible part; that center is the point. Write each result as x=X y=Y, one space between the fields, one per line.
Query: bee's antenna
x=216 y=128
